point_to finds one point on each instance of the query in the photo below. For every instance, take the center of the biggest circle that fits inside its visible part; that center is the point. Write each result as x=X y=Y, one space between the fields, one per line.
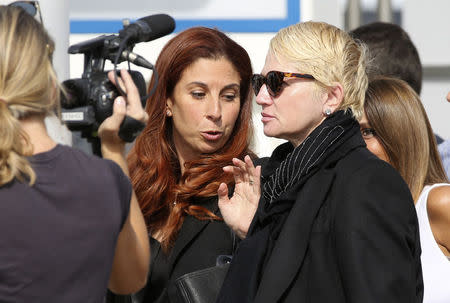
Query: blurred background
x=252 y=23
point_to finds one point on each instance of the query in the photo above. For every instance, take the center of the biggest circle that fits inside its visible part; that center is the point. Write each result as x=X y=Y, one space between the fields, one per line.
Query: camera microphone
x=148 y=28
x=136 y=59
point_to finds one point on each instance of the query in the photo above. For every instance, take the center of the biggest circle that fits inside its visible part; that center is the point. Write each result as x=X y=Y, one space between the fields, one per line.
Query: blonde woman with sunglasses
x=323 y=219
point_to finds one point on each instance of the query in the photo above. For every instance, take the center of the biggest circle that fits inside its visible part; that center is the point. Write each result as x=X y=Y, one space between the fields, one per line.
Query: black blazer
x=326 y=251
x=197 y=246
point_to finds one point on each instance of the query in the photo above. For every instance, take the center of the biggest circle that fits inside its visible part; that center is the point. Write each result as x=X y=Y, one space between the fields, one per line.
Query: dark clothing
x=197 y=246
x=58 y=237
x=347 y=232
x=439 y=139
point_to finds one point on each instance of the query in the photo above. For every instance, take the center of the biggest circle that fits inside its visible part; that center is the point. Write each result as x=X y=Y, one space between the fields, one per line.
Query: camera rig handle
x=130 y=129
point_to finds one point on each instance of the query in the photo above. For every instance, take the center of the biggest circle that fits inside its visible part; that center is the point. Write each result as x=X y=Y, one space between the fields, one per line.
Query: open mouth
x=212 y=135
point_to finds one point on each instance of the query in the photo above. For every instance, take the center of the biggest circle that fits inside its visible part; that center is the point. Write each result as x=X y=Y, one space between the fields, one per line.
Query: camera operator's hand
x=130 y=105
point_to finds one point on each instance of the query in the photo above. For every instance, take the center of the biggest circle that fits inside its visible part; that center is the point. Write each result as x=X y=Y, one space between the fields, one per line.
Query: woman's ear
x=169 y=105
x=333 y=98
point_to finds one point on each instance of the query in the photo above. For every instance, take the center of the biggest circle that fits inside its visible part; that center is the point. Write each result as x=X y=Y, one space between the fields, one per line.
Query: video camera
x=89 y=100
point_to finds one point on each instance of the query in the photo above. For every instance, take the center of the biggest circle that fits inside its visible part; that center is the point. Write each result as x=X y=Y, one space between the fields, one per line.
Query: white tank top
x=435 y=265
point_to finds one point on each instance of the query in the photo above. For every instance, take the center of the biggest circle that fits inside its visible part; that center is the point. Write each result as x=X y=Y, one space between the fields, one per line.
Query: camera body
x=87 y=101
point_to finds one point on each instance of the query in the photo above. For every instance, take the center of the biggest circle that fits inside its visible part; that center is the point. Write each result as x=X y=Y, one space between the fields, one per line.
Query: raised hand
x=238 y=211
x=113 y=147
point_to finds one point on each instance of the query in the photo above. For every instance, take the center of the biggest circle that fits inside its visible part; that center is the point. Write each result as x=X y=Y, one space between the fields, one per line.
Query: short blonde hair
x=28 y=86
x=330 y=55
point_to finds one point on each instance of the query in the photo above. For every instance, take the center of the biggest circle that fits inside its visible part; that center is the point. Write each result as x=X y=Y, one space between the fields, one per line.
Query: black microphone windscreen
x=160 y=25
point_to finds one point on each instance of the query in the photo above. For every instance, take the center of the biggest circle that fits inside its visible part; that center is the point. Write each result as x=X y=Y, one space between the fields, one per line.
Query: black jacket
x=351 y=236
x=197 y=246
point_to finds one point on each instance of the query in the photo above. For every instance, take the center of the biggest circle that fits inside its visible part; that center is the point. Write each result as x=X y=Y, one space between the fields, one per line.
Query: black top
x=197 y=246
x=439 y=140
x=58 y=236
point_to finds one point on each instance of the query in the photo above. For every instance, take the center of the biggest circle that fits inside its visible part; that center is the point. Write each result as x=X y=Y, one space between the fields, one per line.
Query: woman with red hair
x=199 y=120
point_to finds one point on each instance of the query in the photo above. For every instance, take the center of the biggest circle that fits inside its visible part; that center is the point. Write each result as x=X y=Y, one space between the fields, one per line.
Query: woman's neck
x=34 y=127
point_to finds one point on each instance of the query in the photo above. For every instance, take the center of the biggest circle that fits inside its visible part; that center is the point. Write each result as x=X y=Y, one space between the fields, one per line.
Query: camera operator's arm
x=132 y=254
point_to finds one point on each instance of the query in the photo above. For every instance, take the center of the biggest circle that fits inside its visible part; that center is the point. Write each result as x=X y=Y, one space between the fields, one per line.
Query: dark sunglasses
x=32 y=8
x=274 y=81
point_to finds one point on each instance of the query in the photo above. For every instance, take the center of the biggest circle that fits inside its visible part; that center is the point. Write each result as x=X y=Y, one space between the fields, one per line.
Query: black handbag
x=201 y=286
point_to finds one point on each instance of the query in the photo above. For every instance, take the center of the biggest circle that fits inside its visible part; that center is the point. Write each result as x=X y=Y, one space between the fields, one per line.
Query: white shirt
x=435 y=265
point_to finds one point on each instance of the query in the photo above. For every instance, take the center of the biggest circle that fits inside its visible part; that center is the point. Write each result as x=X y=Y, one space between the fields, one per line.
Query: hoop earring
x=327 y=112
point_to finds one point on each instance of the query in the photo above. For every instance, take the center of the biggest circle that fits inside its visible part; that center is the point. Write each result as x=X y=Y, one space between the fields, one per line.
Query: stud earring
x=168 y=113
x=327 y=112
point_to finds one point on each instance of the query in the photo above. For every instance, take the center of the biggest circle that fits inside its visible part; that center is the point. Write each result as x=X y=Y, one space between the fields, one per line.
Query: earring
x=168 y=113
x=327 y=112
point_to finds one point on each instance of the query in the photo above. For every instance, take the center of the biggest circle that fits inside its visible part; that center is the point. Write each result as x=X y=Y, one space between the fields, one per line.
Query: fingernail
x=120 y=101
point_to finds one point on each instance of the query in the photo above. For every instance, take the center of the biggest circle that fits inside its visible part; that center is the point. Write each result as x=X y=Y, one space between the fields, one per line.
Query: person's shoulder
x=73 y=152
x=362 y=162
x=368 y=181
x=438 y=203
x=373 y=196
x=93 y=163
x=438 y=208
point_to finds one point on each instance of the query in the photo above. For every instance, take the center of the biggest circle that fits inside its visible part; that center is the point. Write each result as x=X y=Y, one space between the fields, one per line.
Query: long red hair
x=154 y=167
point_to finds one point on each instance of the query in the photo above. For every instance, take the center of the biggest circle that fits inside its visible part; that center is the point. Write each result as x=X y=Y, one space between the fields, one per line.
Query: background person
x=444 y=150
x=200 y=118
x=333 y=223
x=70 y=223
x=396 y=129
x=392 y=53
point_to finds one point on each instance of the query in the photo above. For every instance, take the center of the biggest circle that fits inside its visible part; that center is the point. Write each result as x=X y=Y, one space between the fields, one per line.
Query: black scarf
x=303 y=159
x=282 y=177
